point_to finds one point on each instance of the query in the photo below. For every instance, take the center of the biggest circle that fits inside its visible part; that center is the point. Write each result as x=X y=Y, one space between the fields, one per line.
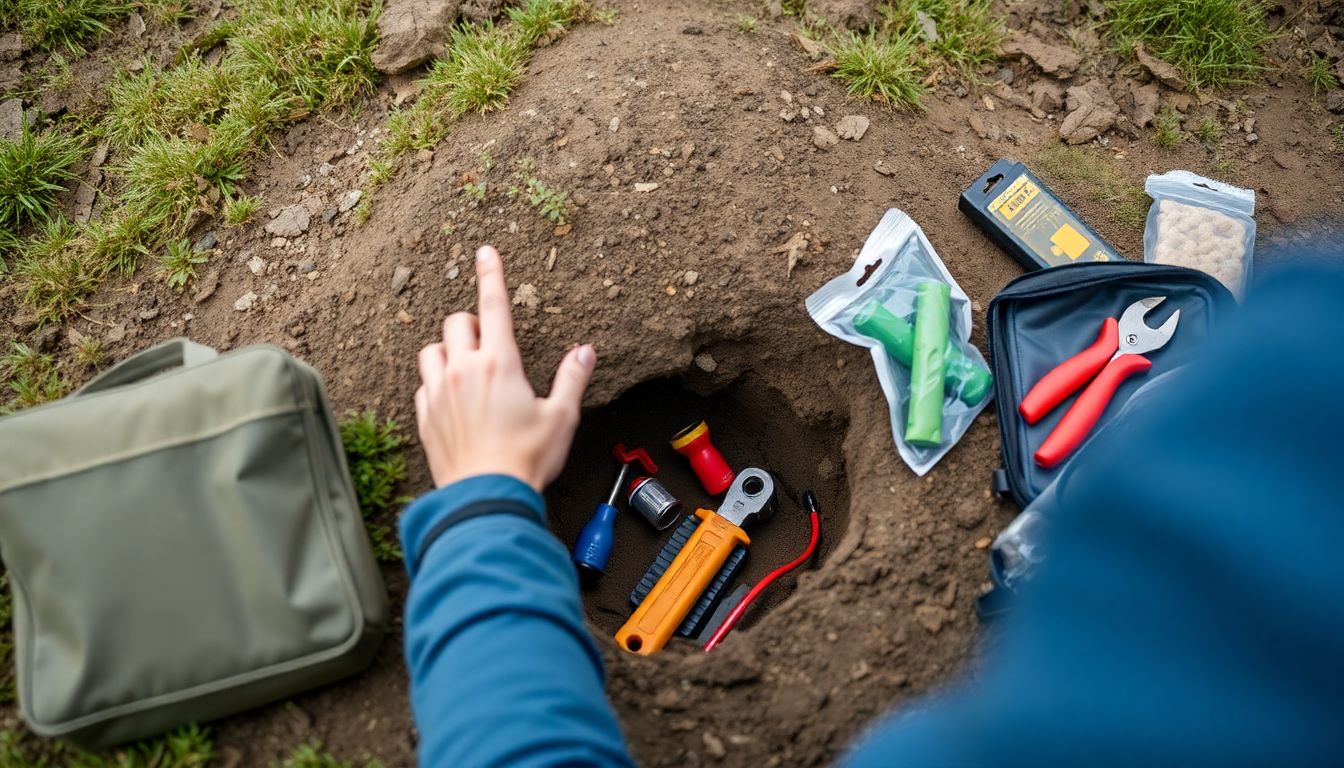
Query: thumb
x=571 y=378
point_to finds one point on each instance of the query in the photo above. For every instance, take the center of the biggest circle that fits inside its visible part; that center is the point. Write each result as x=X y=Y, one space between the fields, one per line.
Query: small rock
x=453 y=272
x=350 y=200
x=1092 y=112
x=1252 y=138
x=308 y=267
x=289 y=222
x=1169 y=75
x=424 y=156
x=245 y=302
x=11 y=46
x=613 y=291
x=614 y=125
x=1334 y=101
x=690 y=277
x=207 y=286
x=400 y=277
x=882 y=167
x=279 y=242
x=860 y=670
x=931 y=617
x=49 y=337
x=824 y=138
x=411 y=32
x=1145 y=103
x=11 y=119
x=706 y=362
x=526 y=296
x=404 y=317
x=148 y=314
x=136 y=25
x=257 y=265
x=206 y=241
x=852 y=127
x=713 y=746
x=1054 y=60
x=983 y=542
x=646 y=186
x=978 y=125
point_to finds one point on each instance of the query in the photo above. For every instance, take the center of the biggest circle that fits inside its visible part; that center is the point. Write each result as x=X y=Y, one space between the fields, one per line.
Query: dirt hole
x=752 y=426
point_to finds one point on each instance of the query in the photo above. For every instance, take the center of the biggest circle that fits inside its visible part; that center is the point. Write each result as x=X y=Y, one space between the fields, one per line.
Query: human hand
x=475 y=408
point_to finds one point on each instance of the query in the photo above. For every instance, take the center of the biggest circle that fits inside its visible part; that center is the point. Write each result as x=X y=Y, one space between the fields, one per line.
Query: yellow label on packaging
x=1069 y=242
x=1015 y=197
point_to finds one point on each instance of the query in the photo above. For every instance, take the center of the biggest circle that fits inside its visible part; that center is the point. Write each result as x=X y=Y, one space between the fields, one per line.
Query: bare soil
x=675 y=94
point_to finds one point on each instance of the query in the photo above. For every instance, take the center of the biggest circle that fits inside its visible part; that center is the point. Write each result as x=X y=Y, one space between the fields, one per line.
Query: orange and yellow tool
x=653 y=623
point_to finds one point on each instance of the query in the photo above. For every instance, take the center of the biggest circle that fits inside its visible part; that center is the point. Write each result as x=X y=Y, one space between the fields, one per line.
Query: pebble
x=206 y=241
x=706 y=362
x=983 y=542
x=257 y=265
x=289 y=222
x=308 y=267
x=931 y=617
x=424 y=156
x=824 y=138
x=405 y=317
x=526 y=295
x=852 y=127
x=148 y=314
x=690 y=277
x=245 y=302
x=279 y=242
x=614 y=125
x=646 y=186
x=714 y=746
x=453 y=272
x=350 y=200
x=400 y=277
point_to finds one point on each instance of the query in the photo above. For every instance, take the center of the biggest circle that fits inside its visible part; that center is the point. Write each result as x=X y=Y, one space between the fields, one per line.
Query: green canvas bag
x=183 y=542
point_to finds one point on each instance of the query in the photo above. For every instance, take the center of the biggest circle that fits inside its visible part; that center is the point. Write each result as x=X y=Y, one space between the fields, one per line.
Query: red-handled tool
x=1116 y=355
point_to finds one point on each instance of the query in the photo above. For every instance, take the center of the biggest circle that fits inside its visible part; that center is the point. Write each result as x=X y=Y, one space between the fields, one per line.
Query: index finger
x=495 y=317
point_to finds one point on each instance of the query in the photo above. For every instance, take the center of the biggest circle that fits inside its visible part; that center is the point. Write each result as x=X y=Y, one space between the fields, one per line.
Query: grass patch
x=56 y=269
x=29 y=378
x=1167 y=132
x=34 y=171
x=1125 y=201
x=190 y=746
x=1320 y=77
x=179 y=263
x=188 y=135
x=238 y=210
x=68 y=24
x=878 y=67
x=746 y=24
x=1212 y=42
x=312 y=756
x=373 y=450
x=1209 y=130
x=916 y=40
x=89 y=353
x=1337 y=134
x=480 y=67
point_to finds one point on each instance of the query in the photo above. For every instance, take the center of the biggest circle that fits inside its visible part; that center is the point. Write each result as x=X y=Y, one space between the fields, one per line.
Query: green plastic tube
x=928 y=366
x=966 y=379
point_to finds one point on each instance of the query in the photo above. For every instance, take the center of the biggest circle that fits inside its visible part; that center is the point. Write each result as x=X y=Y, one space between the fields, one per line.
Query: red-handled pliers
x=1116 y=355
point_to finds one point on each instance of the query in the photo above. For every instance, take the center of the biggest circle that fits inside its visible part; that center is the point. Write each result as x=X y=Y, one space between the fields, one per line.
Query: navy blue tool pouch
x=1043 y=318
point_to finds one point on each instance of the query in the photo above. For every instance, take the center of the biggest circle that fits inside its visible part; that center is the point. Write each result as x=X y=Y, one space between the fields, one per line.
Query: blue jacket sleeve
x=503 y=671
x=1189 y=610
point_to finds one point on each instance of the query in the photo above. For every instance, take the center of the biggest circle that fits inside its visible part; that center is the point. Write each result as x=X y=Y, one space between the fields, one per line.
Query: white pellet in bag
x=1201 y=224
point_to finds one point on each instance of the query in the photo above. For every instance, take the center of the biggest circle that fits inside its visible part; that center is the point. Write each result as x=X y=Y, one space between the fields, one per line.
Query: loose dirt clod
x=824 y=138
x=852 y=127
x=289 y=222
x=400 y=277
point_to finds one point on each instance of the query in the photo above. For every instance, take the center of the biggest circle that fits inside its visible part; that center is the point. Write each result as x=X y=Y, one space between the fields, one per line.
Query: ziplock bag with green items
x=899 y=301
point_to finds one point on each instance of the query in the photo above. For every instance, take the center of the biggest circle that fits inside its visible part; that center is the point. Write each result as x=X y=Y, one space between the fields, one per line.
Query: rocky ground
x=718 y=179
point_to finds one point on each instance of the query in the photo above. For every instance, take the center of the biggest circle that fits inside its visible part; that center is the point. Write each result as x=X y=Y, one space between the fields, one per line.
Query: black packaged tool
x=1023 y=217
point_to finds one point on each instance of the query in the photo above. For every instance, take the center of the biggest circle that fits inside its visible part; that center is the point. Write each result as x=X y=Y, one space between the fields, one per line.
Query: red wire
x=741 y=607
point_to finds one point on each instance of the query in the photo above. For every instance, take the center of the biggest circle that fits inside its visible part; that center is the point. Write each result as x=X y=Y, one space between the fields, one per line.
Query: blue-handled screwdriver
x=592 y=550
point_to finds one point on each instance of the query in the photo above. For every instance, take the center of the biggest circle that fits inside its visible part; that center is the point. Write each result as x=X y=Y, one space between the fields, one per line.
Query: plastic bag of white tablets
x=1202 y=224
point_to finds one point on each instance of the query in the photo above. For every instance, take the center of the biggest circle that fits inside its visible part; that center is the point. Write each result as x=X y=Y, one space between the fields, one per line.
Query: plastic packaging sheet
x=900 y=302
x=1201 y=224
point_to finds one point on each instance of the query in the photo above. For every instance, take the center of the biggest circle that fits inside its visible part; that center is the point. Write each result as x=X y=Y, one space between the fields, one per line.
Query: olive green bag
x=183 y=542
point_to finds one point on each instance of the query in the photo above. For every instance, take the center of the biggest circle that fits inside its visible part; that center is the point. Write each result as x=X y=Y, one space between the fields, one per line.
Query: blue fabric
x=1190 y=612
x=503 y=671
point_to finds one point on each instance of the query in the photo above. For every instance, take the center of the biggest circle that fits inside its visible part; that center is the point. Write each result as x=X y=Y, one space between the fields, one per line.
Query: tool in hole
x=1116 y=355
x=814 y=517
x=693 y=442
x=695 y=567
x=592 y=549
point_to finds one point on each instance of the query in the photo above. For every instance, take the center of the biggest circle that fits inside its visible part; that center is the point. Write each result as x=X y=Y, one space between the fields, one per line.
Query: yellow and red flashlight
x=706 y=461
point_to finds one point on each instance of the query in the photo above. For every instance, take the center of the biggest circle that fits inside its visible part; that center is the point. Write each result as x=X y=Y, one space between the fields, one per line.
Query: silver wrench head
x=750 y=498
x=1136 y=336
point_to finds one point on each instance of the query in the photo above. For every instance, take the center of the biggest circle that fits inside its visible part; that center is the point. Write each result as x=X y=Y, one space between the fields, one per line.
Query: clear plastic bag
x=1202 y=224
x=899 y=301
